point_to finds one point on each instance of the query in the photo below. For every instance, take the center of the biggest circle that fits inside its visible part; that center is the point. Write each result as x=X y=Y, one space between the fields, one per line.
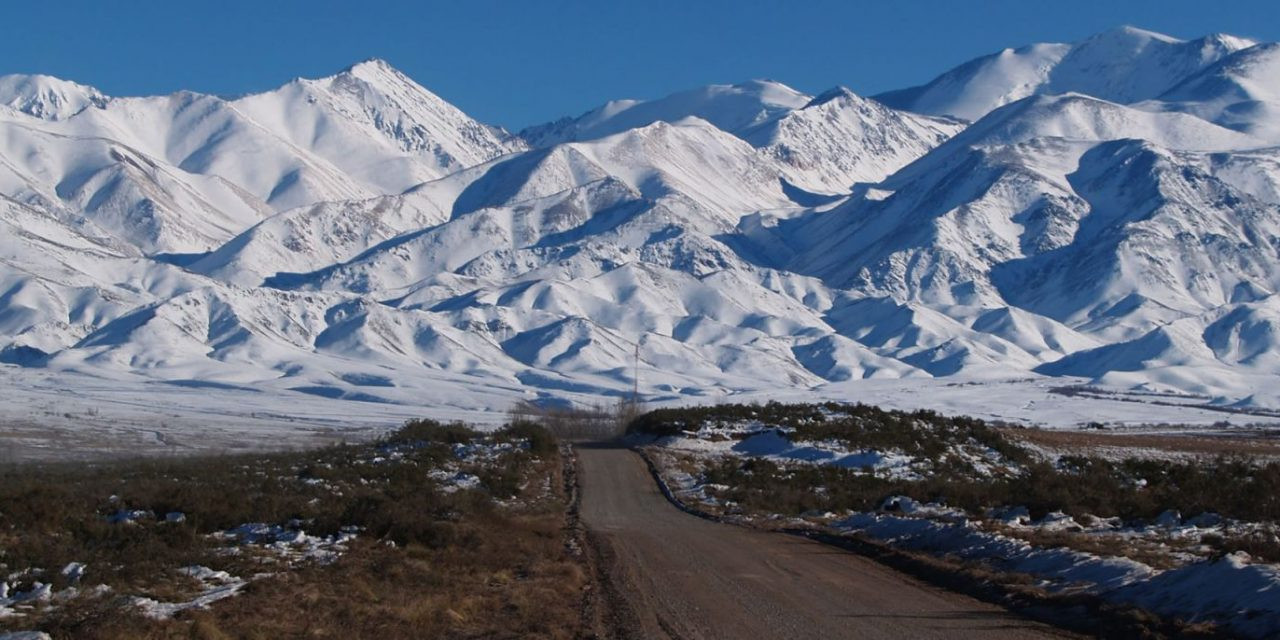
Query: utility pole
x=635 y=378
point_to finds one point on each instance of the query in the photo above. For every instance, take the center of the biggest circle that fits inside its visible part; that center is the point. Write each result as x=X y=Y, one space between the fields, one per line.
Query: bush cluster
x=1133 y=489
x=54 y=514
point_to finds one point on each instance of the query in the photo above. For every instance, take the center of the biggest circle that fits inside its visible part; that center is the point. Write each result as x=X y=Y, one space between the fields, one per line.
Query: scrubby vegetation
x=590 y=422
x=922 y=433
x=435 y=531
x=1132 y=489
x=1084 y=487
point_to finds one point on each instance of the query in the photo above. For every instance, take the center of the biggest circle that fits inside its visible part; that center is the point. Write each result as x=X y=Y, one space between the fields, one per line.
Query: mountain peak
x=370 y=66
x=1124 y=65
x=47 y=97
x=1134 y=39
x=730 y=107
x=372 y=63
x=372 y=71
x=1132 y=33
x=833 y=93
x=1230 y=42
x=760 y=84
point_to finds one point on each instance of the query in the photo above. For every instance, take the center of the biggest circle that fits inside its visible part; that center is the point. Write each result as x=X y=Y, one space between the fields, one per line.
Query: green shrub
x=541 y=441
x=1131 y=489
x=431 y=431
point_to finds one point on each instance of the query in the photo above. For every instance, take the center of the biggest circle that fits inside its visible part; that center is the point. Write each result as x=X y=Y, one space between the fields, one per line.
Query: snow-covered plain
x=334 y=256
x=58 y=415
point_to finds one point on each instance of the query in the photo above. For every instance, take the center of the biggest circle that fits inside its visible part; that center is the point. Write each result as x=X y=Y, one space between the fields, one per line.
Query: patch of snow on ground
x=1231 y=590
x=1245 y=596
x=1061 y=569
x=451 y=481
x=291 y=542
x=452 y=478
x=74 y=571
x=217 y=585
x=752 y=439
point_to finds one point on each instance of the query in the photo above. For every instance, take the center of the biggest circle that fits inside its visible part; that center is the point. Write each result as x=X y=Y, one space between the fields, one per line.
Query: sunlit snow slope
x=1106 y=210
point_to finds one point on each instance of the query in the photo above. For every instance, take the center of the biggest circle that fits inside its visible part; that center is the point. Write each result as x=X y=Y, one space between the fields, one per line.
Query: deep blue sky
x=521 y=62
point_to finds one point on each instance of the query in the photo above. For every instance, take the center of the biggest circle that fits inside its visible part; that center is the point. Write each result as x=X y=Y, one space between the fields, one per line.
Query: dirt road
x=674 y=575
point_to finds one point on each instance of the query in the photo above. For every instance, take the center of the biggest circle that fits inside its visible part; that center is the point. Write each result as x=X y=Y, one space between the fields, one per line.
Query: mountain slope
x=1112 y=213
x=654 y=191
x=1123 y=65
x=47 y=97
x=314 y=236
x=1012 y=213
x=839 y=138
x=377 y=125
x=184 y=173
x=1241 y=92
x=138 y=198
x=731 y=108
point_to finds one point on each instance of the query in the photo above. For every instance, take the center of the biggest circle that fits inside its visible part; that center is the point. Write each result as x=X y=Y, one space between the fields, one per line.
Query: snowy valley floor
x=65 y=415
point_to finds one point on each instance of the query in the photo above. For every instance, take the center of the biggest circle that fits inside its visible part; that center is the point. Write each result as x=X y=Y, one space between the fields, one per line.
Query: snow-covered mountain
x=47 y=97
x=821 y=144
x=377 y=125
x=1123 y=65
x=186 y=172
x=1111 y=212
x=839 y=138
x=731 y=108
x=1240 y=91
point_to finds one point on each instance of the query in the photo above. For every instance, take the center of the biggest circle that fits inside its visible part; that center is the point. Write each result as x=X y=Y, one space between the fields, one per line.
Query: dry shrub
x=428 y=563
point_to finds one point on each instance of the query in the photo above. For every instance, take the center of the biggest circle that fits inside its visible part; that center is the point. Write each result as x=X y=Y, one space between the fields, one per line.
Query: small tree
x=594 y=422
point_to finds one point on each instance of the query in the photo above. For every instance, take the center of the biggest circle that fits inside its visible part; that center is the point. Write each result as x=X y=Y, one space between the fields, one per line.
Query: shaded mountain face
x=1107 y=210
x=1240 y=91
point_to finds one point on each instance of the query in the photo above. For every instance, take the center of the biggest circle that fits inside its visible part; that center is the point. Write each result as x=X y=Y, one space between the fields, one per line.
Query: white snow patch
x=216 y=585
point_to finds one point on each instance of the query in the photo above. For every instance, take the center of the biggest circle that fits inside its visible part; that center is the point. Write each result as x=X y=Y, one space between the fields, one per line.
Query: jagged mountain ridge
x=357 y=237
x=186 y=172
x=839 y=139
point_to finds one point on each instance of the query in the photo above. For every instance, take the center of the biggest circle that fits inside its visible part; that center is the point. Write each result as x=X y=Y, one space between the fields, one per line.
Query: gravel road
x=673 y=575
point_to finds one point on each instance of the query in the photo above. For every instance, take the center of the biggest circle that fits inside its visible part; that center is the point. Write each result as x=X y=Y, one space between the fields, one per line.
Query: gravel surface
x=674 y=575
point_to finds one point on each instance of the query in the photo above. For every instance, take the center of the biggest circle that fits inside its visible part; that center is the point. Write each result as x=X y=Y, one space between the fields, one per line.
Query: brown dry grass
x=1227 y=444
x=489 y=562
x=1144 y=551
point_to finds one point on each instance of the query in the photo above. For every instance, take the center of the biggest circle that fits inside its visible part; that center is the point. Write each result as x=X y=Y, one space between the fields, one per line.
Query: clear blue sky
x=516 y=63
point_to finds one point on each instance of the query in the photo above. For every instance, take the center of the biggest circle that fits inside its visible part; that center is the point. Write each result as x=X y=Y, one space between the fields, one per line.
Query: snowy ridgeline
x=1167 y=564
x=1105 y=212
